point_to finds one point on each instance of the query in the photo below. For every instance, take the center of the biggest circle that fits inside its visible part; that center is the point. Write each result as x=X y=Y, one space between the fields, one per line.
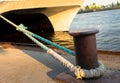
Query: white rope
x=95 y=72
x=79 y=73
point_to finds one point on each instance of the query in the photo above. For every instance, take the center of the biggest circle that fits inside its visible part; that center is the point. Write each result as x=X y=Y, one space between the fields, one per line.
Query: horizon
x=100 y=2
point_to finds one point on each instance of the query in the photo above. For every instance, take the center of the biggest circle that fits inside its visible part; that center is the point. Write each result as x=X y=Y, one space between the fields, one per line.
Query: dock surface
x=30 y=64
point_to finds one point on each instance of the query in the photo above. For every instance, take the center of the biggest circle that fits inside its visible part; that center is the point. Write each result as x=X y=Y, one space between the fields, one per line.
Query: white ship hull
x=59 y=12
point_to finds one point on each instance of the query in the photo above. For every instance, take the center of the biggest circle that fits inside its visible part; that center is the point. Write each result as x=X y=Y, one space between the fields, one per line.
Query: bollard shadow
x=55 y=66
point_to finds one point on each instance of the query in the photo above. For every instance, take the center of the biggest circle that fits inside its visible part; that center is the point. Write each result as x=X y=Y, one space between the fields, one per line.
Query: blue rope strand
x=21 y=26
x=54 y=44
x=36 y=41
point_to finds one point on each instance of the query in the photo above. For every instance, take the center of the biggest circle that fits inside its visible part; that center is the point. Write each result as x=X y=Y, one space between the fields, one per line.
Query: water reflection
x=64 y=39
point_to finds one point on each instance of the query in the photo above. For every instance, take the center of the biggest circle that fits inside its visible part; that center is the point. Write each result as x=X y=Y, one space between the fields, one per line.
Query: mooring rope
x=79 y=73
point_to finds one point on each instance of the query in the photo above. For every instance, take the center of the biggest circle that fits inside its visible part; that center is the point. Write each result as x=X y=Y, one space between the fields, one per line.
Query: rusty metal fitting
x=85 y=47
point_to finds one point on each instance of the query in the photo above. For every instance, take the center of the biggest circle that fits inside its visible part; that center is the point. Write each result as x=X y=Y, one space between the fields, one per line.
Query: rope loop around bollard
x=77 y=70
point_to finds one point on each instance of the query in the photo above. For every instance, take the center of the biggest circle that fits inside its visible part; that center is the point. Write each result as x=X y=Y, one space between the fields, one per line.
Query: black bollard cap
x=82 y=32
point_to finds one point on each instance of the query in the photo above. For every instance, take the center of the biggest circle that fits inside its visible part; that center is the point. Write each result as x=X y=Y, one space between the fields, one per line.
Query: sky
x=88 y=2
x=103 y=2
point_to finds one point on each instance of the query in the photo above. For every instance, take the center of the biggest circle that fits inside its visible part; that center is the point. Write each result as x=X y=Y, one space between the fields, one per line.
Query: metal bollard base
x=110 y=76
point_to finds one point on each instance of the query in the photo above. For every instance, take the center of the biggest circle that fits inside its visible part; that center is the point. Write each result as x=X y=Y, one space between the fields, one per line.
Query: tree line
x=95 y=7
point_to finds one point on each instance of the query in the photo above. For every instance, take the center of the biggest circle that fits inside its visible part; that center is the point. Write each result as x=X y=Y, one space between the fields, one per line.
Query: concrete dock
x=30 y=64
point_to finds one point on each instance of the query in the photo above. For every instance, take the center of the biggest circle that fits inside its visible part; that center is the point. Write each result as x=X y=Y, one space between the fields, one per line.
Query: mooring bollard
x=85 y=47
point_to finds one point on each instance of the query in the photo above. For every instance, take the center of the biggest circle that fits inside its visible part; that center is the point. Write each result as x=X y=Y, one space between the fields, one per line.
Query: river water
x=107 y=22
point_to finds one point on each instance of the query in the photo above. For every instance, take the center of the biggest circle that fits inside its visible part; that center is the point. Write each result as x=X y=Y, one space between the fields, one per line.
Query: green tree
x=87 y=7
x=118 y=3
x=94 y=6
x=113 y=4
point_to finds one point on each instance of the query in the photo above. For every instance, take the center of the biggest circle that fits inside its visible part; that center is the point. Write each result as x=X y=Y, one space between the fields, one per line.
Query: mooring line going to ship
x=79 y=73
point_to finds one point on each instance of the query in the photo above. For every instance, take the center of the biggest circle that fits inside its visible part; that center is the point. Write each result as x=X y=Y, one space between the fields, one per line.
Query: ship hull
x=60 y=13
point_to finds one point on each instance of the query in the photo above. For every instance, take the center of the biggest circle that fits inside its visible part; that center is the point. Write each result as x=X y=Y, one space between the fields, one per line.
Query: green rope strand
x=21 y=26
x=36 y=41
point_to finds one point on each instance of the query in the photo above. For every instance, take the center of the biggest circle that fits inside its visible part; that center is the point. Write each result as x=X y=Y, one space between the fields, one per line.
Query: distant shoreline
x=97 y=10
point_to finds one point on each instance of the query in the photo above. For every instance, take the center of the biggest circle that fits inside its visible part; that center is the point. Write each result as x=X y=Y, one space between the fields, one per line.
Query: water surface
x=108 y=24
